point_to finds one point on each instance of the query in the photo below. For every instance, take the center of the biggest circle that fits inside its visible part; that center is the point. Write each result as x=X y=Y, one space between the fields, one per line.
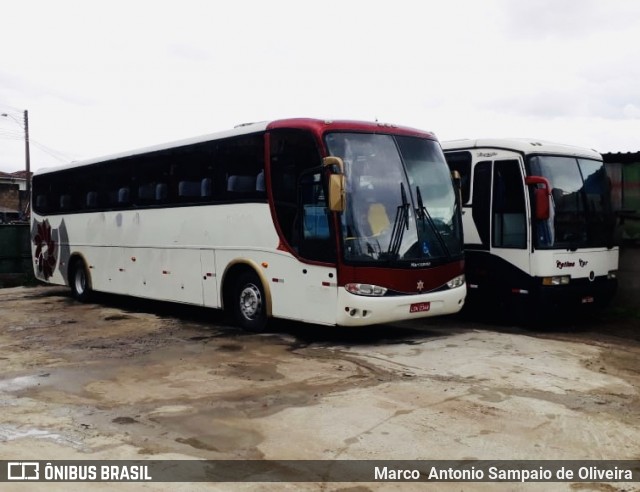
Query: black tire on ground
x=248 y=302
x=79 y=281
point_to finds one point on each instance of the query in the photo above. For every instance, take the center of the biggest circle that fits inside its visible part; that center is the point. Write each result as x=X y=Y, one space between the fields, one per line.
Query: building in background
x=14 y=202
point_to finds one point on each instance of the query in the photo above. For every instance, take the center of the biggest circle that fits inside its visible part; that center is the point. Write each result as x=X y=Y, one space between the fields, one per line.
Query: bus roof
x=315 y=125
x=523 y=145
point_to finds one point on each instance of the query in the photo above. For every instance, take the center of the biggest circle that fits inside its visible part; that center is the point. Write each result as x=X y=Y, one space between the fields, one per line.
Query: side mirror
x=337 y=193
x=541 y=207
x=337 y=186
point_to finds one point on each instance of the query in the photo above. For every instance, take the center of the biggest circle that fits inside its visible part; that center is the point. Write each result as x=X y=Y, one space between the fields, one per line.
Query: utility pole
x=27 y=159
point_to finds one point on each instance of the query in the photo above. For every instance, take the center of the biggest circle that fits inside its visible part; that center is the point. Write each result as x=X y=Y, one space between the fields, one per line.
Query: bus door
x=500 y=265
x=308 y=290
x=318 y=293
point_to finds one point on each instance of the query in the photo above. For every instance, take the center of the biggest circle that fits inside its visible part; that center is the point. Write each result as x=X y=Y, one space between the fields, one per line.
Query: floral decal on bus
x=45 y=254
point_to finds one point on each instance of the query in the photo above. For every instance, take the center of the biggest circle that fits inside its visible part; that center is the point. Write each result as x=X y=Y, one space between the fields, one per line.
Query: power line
x=11 y=108
x=11 y=137
x=56 y=154
x=12 y=132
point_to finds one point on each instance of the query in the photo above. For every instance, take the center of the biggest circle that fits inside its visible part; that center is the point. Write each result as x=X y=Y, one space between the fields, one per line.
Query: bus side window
x=509 y=222
x=315 y=237
x=482 y=200
x=240 y=160
x=292 y=153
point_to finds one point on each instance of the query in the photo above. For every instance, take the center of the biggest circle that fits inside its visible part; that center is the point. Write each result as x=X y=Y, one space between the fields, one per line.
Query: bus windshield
x=581 y=203
x=401 y=206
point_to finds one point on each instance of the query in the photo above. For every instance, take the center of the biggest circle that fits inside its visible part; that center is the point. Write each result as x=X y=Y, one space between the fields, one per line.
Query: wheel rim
x=250 y=302
x=80 y=281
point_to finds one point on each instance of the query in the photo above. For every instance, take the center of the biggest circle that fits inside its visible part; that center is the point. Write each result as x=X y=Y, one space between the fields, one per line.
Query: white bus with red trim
x=538 y=224
x=328 y=222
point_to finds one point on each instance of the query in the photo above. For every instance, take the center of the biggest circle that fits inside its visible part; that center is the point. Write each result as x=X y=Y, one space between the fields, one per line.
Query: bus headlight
x=456 y=282
x=612 y=274
x=366 y=290
x=556 y=280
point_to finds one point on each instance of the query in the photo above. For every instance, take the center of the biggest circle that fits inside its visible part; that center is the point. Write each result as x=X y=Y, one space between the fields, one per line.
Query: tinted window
x=509 y=218
x=292 y=153
x=216 y=171
x=482 y=200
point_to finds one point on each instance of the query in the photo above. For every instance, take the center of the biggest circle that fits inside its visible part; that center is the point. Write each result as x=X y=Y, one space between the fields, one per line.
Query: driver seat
x=378 y=218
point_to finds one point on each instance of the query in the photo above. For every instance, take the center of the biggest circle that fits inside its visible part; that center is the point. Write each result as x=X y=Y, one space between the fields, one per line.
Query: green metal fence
x=631 y=200
x=15 y=252
x=624 y=171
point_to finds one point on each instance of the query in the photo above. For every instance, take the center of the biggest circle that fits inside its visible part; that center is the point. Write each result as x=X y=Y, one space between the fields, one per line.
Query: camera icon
x=23 y=470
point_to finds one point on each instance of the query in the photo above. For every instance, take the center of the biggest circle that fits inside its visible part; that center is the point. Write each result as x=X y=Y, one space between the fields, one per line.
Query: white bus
x=538 y=224
x=328 y=222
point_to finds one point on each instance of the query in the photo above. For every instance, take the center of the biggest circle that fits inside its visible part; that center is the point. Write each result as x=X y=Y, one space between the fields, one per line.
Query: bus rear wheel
x=79 y=281
x=249 y=305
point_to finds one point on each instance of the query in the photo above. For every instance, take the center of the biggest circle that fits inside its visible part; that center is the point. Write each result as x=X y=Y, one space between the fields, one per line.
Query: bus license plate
x=587 y=300
x=420 y=307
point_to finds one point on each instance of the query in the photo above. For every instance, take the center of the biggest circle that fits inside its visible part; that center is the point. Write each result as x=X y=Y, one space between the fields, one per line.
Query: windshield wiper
x=423 y=213
x=400 y=224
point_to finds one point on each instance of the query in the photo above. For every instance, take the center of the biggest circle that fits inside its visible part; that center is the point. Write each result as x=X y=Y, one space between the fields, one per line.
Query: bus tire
x=79 y=281
x=249 y=303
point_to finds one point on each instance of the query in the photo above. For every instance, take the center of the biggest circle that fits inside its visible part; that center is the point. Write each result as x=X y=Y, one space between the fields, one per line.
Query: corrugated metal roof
x=621 y=157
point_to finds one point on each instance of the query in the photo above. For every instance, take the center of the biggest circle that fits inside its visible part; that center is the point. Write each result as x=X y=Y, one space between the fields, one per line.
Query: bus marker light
x=265 y=264
x=556 y=280
x=420 y=307
x=133 y=258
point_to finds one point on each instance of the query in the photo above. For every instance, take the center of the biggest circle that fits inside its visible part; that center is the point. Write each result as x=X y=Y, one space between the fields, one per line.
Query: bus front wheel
x=79 y=281
x=249 y=305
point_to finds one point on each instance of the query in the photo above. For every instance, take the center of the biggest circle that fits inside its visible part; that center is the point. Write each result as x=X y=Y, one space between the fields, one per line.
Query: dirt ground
x=123 y=378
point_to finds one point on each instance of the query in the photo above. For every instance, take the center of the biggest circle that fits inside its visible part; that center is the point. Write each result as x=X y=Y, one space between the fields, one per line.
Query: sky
x=104 y=77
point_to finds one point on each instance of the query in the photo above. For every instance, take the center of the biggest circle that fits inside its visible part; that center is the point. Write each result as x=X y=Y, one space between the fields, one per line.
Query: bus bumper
x=578 y=294
x=355 y=310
